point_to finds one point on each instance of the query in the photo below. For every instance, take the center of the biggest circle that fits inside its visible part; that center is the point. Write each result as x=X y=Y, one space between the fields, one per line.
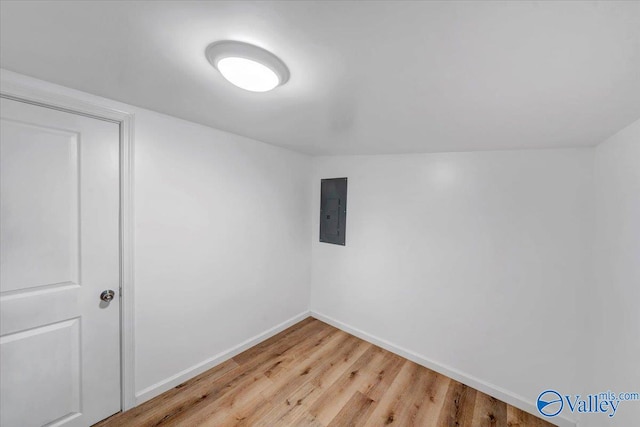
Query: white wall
x=222 y=253
x=222 y=249
x=613 y=341
x=472 y=261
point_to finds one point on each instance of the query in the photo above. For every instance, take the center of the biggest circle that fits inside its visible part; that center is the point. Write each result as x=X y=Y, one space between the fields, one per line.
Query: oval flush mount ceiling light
x=247 y=66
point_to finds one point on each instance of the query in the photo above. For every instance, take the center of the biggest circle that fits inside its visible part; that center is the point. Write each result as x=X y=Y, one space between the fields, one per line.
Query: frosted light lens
x=248 y=74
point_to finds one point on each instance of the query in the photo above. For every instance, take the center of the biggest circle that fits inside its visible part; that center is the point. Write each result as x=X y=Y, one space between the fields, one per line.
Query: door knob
x=107 y=295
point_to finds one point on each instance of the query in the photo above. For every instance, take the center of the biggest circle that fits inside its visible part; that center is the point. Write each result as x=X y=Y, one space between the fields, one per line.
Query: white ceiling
x=379 y=77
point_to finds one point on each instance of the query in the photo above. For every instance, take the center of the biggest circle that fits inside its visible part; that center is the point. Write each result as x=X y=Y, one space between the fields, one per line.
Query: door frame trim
x=26 y=89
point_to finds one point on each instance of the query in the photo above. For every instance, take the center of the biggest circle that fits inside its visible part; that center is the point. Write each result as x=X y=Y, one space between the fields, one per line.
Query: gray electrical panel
x=333 y=210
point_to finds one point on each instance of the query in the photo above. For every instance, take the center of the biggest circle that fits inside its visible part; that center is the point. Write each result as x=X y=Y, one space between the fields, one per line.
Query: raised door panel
x=39 y=221
x=55 y=378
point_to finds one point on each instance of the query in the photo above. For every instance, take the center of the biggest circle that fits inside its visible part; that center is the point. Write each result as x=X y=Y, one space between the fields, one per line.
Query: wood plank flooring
x=313 y=374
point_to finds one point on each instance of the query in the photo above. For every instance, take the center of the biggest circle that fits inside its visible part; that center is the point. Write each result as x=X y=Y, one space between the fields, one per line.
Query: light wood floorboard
x=313 y=374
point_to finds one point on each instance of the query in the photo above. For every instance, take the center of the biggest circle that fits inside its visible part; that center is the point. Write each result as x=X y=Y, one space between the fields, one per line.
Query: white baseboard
x=182 y=376
x=483 y=386
x=469 y=380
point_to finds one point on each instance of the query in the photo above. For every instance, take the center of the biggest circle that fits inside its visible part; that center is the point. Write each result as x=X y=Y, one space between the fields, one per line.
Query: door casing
x=32 y=91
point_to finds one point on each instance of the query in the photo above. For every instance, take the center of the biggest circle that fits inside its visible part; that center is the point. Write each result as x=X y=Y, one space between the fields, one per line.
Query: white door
x=59 y=250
